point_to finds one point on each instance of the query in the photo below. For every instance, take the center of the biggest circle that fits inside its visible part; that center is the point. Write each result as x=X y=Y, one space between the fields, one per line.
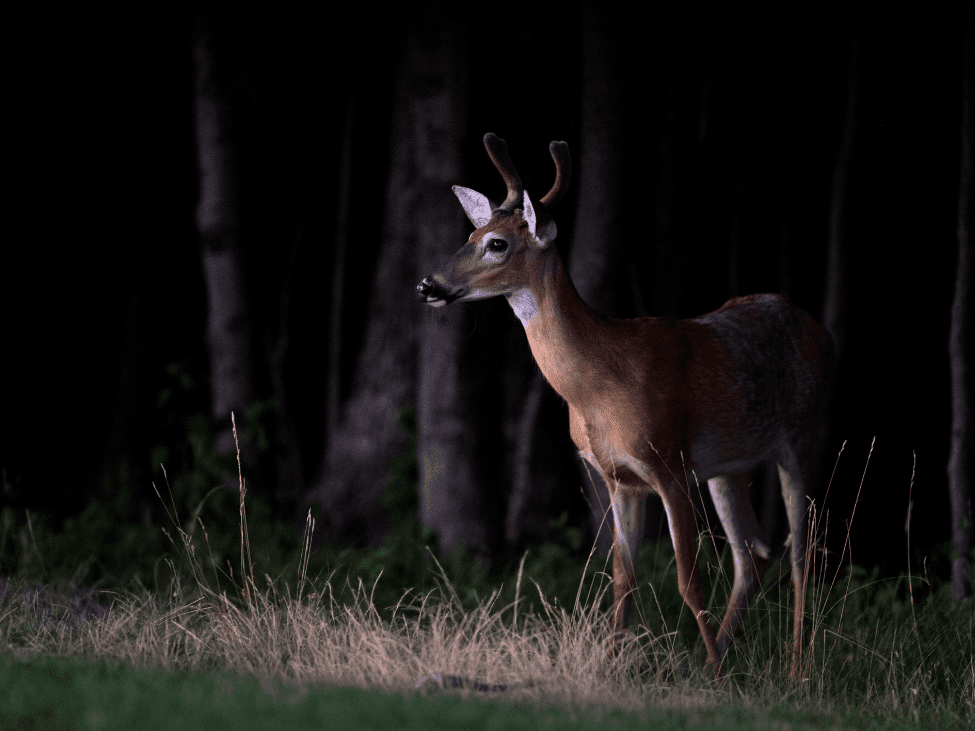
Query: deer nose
x=435 y=293
x=429 y=289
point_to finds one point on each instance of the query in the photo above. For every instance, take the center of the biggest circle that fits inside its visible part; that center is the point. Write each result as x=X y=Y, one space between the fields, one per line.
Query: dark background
x=732 y=131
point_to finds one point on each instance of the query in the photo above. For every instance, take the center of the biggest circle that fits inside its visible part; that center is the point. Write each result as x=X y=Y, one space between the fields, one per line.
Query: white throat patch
x=523 y=302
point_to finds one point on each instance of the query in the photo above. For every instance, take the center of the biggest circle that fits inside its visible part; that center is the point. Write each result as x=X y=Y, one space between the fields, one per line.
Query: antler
x=563 y=172
x=498 y=151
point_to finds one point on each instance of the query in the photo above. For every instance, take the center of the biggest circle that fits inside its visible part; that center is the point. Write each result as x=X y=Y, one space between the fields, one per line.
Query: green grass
x=54 y=693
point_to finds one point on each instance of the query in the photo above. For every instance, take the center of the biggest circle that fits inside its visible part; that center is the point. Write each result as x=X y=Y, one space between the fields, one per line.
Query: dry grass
x=306 y=637
x=557 y=658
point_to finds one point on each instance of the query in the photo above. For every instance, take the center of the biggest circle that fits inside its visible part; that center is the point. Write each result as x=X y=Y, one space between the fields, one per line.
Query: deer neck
x=563 y=332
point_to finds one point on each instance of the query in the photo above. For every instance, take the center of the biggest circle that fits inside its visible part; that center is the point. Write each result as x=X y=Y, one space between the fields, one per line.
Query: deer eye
x=496 y=246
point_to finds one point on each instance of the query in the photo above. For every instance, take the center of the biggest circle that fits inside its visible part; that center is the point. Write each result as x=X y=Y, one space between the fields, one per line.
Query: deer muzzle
x=435 y=293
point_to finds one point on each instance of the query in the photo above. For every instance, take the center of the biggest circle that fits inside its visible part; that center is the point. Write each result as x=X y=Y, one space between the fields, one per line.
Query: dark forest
x=290 y=173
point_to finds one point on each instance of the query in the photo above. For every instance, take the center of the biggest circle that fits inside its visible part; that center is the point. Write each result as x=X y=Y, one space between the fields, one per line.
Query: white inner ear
x=476 y=206
x=543 y=235
x=528 y=212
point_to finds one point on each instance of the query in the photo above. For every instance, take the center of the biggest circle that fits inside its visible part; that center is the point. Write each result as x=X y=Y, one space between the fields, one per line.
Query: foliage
x=122 y=534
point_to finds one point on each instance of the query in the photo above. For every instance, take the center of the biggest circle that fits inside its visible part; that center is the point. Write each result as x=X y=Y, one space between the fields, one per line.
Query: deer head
x=509 y=240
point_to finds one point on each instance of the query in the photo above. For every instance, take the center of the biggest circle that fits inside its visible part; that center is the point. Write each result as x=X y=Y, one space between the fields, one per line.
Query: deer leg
x=683 y=532
x=629 y=508
x=797 y=508
x=751 y=555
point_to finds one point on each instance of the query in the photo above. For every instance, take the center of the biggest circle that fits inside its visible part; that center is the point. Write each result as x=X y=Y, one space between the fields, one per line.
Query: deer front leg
x=629 y=509
x=683 y=532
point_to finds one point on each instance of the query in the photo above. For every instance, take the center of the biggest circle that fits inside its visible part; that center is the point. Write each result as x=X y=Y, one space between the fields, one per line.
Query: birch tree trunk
x=230 y=340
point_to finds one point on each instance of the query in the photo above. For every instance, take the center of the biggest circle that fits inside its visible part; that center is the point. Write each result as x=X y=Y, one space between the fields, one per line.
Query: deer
x=656 y=404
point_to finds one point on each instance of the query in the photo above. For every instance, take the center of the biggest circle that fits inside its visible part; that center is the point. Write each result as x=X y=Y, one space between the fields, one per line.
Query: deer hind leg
x=629 y=509
x=795 y=493
x=751 y=555
x=683 y=532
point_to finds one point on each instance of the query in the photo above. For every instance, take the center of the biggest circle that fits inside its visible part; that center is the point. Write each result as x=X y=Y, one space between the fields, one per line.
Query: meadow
x=221 y=618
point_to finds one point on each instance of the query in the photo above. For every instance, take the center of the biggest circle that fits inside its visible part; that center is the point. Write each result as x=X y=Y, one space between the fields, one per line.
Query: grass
x=222 y=646
x=193 y=654
x=105 y=696
x=309 y=661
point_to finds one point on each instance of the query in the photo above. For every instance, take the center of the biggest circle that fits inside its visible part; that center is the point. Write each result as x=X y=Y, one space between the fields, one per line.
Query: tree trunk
x=959 y=353
x=422 y=223
x=284 y=466
x=335 y=386
x=459 y=434
x=131 y=403
x=230 y=340
x=362 y=434
x=837 y=291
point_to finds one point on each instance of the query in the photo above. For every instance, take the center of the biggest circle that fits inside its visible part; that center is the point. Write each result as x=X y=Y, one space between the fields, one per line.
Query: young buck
x=656 y=404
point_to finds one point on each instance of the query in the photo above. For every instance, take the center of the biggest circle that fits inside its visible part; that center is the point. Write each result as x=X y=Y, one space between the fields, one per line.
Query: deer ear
x=476 y=206
x=545 y=233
